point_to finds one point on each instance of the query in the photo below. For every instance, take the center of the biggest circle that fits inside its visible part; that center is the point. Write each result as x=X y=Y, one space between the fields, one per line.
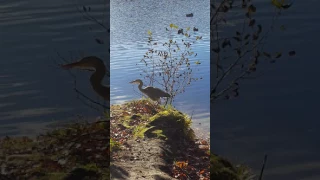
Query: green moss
x=126 y=124
x=221 y=168
x=139 y=101
x=114 y=145
x=157 y=121
x=159 y=134
x=140 y=130
x=170 y=121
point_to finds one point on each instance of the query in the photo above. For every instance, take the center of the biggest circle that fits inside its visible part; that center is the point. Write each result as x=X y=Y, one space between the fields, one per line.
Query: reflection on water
x=277 y=113
x=130 y=21
x=33 y=90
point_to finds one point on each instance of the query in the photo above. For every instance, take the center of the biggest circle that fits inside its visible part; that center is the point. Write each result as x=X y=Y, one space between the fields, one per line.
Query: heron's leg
x=166 y=103
x=154 y=105
x=157 y=103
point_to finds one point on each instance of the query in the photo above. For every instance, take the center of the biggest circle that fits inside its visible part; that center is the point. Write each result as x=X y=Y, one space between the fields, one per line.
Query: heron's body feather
x=153 y=93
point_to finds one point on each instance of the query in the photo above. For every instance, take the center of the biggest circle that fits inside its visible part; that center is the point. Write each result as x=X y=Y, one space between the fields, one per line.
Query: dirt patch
x=140 y=160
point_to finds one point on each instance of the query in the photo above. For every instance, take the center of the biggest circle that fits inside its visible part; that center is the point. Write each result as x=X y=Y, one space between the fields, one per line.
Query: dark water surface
x=277 y=114
x=130 y=22
x=33 y=91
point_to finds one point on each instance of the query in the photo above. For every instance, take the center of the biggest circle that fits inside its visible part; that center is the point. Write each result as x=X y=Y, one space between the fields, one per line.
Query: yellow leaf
x=198 y=62
x=188 y=28
x=277 y=4
x=282 y=27
x=149 y=32
x=174 y=26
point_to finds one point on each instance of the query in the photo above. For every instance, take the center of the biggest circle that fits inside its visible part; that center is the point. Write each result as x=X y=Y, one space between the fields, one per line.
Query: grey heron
x=153 y=93
x=97 y=77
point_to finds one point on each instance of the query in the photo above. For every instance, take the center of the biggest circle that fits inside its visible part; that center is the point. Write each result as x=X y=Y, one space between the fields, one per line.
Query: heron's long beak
x=79 y=64
x=71 y=65
x=134 y=82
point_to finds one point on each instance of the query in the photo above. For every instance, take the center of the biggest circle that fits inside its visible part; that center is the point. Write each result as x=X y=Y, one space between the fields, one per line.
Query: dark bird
x=180 y=31
x=189 y=15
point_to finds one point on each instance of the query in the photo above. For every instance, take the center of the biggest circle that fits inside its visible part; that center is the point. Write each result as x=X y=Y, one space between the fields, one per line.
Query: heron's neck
x=140 y=86
x=98 y=75
x=96 y=79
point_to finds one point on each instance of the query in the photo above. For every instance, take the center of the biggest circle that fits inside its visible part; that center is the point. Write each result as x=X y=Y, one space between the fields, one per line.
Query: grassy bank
x=143 y=125
x=76 y=151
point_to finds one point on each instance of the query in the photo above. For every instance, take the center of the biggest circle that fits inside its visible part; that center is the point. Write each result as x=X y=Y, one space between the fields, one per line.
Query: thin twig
x=263 y=165
x=106 y=107
x=87 y=16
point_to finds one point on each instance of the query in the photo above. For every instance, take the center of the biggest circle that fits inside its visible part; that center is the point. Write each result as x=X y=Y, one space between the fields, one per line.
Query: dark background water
x=130 y=22
x=277 y=113
x=33 y=91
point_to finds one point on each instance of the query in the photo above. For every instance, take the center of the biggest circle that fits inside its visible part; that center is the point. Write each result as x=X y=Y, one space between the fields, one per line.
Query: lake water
x=130 y=22
x=277 y=113
x=33 y=91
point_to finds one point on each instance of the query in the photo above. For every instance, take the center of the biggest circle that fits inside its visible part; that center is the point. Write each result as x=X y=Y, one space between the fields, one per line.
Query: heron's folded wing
x=157 y=91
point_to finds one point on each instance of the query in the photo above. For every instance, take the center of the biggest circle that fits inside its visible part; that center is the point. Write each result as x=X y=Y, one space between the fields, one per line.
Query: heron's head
x=88 y=63
x=137 y=81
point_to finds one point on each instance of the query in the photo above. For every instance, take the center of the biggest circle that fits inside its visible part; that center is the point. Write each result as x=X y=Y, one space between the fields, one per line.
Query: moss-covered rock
x=170 y=123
